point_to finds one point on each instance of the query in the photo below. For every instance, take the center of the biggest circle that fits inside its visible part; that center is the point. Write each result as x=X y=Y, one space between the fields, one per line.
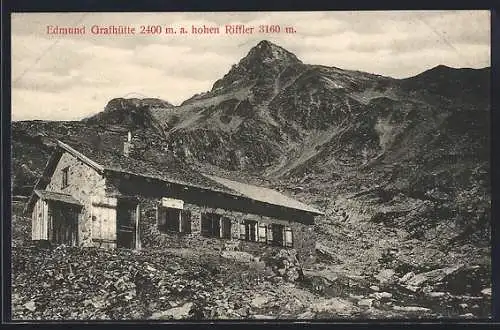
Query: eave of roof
x=42 y=182
x=265 y=195
x=81 y=156
x=58 y=197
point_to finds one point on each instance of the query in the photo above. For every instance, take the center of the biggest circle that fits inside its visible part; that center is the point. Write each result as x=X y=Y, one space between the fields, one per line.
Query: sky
x=69 y=77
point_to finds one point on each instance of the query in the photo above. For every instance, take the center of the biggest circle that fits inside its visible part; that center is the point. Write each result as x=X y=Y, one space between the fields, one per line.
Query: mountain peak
x=131 y=111
x=266 y=44
x=267 y=51
x=133 y=102
x=264 y=60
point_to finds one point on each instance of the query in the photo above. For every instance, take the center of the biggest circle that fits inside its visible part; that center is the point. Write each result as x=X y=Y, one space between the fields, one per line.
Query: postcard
x=269 y=166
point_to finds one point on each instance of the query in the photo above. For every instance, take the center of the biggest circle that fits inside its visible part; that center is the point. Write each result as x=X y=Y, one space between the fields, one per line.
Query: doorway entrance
x=126 y=221
x=63 y=219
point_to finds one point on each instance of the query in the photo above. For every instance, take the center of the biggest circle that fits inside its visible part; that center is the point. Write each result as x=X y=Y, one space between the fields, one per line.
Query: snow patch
x=276 y=53
x=332 y=84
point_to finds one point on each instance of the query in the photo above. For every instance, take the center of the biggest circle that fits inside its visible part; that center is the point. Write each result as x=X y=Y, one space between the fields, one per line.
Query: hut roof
x=172 y=170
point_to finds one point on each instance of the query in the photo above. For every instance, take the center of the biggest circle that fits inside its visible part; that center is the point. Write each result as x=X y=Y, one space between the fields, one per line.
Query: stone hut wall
x=149 y=195
x=84 y=183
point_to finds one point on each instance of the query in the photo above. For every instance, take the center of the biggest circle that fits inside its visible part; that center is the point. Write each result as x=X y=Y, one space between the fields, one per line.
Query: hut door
x=125 y=224
x=64 y=222
x=226 y=227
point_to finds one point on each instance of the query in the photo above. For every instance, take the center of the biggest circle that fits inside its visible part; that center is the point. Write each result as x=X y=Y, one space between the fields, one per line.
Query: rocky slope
x=65 y=283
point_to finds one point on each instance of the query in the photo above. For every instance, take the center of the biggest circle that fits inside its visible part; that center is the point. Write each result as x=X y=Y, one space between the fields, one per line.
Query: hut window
x=249 y=230
x=65 y=181
x=169 y=219
x=186 y=221
x=210 y=225
x=278 y=232
x=262 y=233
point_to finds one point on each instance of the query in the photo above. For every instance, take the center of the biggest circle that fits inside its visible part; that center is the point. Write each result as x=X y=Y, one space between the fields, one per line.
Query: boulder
x=428 y=288
x=385 y=276
x=326 y=251
x=232 y=245
x=175 y=313
x=333 y=306
x=375 y=288
x=306 y=315
x=381 y=295
x=432 y=276
x=264 y=317
x=436 y=294
x=259 y=301
x=150 y=268
x=365 y=303
x=325 y=274
x=30 y=305
x=486 y=292
x=406 y=277
x=243 y=311
x=410 y=309
x=318 y=283
x=239 y=256
x=293 y=274
x=412 y=288
x=356 y=297
x=285 y=264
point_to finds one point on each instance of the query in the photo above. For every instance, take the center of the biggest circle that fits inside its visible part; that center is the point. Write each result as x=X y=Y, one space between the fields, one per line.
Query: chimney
x=127 y=145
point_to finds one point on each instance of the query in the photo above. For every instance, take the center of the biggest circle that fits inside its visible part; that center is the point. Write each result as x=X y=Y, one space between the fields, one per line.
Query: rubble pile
x=284 y=263
x=74 y=283
x=21 y=236
x=70 y=283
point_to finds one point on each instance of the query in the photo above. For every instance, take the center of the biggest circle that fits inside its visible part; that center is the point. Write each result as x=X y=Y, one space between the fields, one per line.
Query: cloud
x=183 y=62
x=69 y=77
